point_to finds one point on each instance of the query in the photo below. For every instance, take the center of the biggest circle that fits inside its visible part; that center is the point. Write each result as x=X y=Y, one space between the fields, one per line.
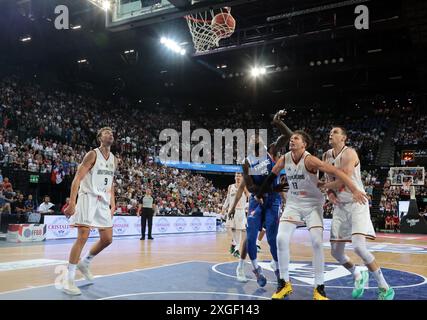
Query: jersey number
x=295 y=185
x=106 y=181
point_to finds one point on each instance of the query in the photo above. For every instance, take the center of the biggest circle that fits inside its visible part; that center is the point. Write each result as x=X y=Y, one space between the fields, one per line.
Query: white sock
x=71 y=271
x=238 y=239
x=254 y=264
x=318 y=257
x=234 y=241
x=88 y=258
x=380 y=279
x=258 y=243
x=276 y=263
x=355 y=272
x=241 y=263
x=284 y=236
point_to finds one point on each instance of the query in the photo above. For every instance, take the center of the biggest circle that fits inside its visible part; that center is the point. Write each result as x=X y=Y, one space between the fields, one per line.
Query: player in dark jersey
x=269 y=211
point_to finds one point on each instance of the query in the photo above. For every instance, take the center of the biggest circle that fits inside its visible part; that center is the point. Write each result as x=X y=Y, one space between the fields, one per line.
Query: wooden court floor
x=127 y=254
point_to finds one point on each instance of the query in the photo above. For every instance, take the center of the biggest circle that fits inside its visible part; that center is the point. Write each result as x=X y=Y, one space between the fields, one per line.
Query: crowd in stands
x=176 y=192
x=412 y=127
x=44 y=131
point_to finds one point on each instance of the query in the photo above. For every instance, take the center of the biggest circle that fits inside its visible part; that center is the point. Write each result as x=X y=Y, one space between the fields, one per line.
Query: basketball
x=223 y=24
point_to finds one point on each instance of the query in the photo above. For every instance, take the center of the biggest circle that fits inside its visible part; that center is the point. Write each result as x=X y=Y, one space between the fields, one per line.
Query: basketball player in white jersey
x=237 y=223
x=351 y=221
x=95 y=206
x=304 y=205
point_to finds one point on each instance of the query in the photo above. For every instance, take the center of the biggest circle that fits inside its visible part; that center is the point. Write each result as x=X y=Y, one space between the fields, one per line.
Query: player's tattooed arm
x=87 y=164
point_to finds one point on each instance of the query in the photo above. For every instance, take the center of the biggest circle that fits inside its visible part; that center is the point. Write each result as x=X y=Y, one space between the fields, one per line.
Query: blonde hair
x=100 y=131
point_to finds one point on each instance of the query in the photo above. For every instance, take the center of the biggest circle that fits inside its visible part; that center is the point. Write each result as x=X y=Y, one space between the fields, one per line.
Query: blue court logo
x=389 y=247
x=60 y=227
x=196 y=224
x=180 y=224
x=163 y=225
x=338 y=280
x=210 y=224
x=120 y=226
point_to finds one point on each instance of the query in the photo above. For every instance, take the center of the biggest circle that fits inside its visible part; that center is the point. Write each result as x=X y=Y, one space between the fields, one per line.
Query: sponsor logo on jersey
x=105 y=172
x=296 y=177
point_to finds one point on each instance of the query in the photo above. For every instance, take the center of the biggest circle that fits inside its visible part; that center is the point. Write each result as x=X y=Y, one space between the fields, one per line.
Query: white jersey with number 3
x=99 y=180
x=303 y=190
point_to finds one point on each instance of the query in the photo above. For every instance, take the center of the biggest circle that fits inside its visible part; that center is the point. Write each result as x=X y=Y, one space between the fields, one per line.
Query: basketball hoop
x=207 y=28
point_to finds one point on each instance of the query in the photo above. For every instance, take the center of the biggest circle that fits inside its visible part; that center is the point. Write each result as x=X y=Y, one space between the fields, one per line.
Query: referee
x=147 y=214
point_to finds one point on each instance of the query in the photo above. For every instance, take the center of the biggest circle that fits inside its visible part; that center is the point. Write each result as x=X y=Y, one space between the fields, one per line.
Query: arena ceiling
x=389 y=57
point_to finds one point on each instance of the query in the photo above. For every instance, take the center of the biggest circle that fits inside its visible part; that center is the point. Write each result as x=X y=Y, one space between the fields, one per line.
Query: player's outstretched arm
x=285 y=132
x=82 y=170
x=316 y=164
x=349 y=159
x=278 y=122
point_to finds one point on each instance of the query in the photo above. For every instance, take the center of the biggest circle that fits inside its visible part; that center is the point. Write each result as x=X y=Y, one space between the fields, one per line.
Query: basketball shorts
x=311 y=216
x=238 y=222
x=351 y=218
x=92 y=212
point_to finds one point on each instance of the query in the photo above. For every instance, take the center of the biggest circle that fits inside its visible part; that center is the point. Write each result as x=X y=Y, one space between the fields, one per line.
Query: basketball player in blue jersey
x=267 y=212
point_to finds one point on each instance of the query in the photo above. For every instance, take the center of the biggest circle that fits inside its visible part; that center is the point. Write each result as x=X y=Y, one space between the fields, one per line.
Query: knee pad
x=338 y=253
x=316 y=238
x=361 y=250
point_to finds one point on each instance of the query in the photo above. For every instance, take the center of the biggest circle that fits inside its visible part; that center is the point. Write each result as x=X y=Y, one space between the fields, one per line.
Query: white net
x=209 y=27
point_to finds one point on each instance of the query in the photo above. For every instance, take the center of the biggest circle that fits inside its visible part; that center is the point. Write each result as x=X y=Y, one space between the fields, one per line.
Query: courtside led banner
x=203 y=166
x=57 y=227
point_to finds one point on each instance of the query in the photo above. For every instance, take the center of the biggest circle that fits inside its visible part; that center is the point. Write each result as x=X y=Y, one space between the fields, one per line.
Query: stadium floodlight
x=25 y=39
x=172 y=45
x=76 y=27
x=102 y=4
x=82 y=61
x=258 y=71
